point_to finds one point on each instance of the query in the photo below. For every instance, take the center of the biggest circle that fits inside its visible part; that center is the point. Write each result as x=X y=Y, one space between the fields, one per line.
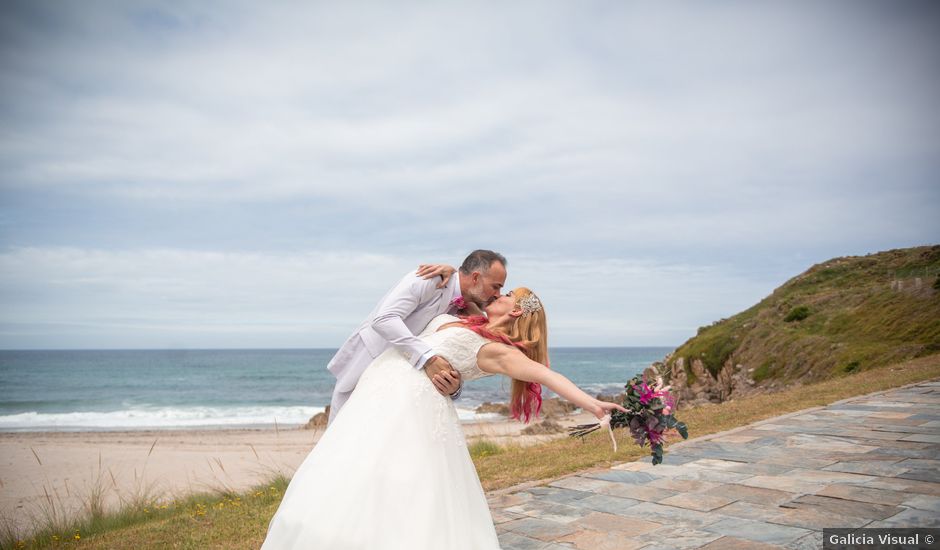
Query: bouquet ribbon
x=605 y=423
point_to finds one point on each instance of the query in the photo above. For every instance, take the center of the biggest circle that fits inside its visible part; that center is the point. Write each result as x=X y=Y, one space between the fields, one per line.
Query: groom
x=404 y=312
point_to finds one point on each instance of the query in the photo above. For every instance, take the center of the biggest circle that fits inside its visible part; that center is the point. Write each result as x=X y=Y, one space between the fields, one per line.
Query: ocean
x=189 y=389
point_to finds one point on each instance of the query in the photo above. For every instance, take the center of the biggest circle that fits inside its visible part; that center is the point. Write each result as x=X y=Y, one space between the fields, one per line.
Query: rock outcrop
x=546 y=426
x=319 y=420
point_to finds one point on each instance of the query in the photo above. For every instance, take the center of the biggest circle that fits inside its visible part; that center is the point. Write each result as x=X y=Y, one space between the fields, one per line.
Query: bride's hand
x=603 y=408
x=429 y=271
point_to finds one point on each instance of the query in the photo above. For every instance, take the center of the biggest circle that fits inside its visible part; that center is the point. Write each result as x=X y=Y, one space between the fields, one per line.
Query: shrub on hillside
x=797 y=314
x=849 y=368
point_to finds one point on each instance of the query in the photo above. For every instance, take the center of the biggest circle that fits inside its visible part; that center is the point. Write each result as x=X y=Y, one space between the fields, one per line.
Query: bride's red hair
x=528 y=333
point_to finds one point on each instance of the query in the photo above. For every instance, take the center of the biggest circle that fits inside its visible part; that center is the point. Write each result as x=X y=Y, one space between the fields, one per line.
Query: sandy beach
x=55 y=472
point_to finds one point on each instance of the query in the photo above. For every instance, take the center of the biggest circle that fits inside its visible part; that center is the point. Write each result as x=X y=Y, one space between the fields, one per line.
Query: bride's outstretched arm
x=498 y=358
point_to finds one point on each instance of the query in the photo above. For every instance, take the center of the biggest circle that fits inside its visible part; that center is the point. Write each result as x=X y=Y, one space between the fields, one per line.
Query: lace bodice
x=390 y=374
x=458 y=345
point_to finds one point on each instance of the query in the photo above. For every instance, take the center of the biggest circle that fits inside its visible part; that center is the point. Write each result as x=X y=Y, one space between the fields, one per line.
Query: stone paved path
x=870 y=461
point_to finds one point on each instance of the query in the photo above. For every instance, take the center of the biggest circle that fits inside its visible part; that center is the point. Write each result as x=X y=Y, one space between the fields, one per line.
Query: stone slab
x=757 y=495
x=596 y=540
x=789 y=485
x=892 y=415
x=717 y=476
x=924 y=502
x=815 y=519
x=910 y=517
x=619 y=476
x=541 y=529
x=796 y=460
x=925 y=438
x=910 y=485
x=812 y=541
x=500 y=515
x=607 y=503
x=864 y=494
x=750 y=510
x=716 y=464
x=827 y=476
x=545 y=509
x=638 y=492
x=558 y=495
x=762 y=468
x=843 y=507
x=930 y=476
x=681 y=485
x=679 y=538
x=672 y=515
x=757 y=531
x=921 y=463
x=733 y=543
x=601 y=521
x=923 y=451
x=703 y=502
x=737 y=438
x=869 y=467
x=515 y=541
x=579 y=483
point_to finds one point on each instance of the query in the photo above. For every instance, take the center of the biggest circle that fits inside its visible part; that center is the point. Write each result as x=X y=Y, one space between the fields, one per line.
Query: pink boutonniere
x=459 y=303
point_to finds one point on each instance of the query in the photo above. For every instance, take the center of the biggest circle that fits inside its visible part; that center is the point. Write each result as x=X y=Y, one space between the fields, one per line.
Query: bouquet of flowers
x=650 y=416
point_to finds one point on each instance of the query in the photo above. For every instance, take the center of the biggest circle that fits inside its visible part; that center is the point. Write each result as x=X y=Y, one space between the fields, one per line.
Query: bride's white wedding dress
x=393 y=470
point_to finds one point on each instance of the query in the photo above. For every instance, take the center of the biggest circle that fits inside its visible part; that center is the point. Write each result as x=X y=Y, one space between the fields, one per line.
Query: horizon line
x=287 y=349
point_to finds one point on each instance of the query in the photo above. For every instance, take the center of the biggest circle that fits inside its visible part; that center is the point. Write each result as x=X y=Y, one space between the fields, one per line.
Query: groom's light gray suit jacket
x=402 y=313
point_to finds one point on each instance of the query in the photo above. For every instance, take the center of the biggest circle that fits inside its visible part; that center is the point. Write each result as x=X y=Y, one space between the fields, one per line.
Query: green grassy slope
x=841 y=316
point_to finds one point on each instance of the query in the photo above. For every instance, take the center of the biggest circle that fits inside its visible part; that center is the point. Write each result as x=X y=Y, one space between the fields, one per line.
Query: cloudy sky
x=257 y=174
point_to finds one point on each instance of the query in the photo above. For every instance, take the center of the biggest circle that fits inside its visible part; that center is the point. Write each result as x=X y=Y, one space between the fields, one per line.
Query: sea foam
x=159 y=418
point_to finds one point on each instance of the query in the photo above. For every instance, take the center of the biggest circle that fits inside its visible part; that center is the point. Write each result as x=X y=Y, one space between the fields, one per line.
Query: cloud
x=740 y=142
x=367 y=102
x=163 y=298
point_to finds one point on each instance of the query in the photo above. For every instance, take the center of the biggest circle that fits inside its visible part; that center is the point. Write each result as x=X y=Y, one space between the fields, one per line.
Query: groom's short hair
x=481 y=260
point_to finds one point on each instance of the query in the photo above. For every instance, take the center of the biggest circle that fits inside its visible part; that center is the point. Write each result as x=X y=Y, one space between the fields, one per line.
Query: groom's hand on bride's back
x=445 y=378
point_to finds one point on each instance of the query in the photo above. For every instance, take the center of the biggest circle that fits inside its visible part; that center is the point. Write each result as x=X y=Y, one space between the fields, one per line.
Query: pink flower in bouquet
x=659 y=385
x=459 y=303
x=648 y=394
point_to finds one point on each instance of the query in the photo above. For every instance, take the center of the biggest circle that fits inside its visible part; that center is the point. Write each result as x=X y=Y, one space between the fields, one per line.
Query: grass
x=205 y=520
x=484 y=448
x=239 y=520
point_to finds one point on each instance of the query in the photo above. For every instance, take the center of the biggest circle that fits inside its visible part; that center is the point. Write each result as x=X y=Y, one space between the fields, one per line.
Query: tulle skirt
x=391 y=472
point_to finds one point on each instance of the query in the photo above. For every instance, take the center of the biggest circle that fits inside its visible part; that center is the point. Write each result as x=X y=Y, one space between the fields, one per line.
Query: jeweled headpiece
x=529 y=304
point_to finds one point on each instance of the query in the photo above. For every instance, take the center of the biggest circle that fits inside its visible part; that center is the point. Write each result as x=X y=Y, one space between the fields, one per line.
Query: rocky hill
x=839 y=317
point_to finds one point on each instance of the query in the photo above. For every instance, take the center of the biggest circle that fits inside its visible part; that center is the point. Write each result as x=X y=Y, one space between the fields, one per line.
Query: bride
x=393 y=470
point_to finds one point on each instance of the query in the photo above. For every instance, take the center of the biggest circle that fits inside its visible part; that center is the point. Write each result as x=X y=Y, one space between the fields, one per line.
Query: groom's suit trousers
x=358 y=355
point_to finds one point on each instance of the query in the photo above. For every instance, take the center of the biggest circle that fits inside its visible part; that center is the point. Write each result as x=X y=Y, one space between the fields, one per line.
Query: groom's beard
x=480 y=302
